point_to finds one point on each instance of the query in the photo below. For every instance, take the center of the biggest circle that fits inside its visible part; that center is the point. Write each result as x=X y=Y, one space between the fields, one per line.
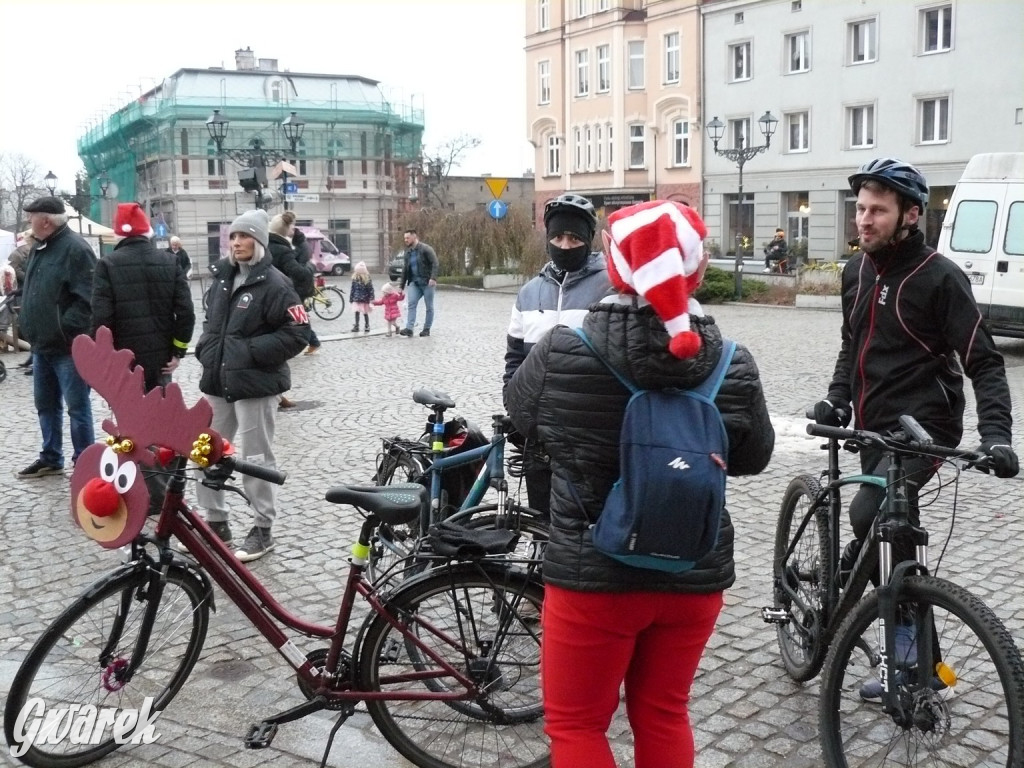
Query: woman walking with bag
x=645 y=628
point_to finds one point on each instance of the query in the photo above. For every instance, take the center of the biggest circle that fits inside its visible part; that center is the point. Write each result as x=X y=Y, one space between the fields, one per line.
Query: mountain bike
x=918 y=672
x=458 y=465
x=327 y=301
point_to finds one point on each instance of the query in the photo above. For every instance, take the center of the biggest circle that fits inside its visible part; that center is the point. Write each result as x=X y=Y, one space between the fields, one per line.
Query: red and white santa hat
x=131 y=221
x=655 y=250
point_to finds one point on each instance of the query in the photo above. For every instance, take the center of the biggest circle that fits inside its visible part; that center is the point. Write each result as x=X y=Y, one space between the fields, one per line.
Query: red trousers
x=592 y=642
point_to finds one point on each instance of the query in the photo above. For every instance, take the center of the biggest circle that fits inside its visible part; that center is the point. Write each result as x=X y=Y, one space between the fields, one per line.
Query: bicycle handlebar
x=915 y=440
x=234 y=464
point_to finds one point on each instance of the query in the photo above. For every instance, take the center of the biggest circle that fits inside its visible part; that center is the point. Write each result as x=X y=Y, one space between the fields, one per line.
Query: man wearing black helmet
x=573 y=279
x=911 y=329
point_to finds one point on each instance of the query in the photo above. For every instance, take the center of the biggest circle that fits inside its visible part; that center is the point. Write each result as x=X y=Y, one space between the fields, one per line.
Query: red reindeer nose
x=100 y=498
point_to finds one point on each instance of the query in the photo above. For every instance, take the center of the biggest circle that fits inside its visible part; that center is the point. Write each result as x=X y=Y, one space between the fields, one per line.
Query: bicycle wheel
x=483 y=623
x=79 y=660
x=329 y=304
x=392 y=543
x=206 y=298
x=801 y=581
x=974 y=718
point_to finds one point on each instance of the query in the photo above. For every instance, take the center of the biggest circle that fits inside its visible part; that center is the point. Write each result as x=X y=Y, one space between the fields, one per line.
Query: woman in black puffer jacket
x=620 y=623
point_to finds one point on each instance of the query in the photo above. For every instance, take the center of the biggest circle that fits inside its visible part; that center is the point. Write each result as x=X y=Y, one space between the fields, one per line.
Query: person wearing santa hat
x=645 y=628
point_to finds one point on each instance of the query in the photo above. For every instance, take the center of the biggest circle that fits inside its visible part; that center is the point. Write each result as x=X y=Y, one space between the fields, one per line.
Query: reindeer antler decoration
x=109 y=499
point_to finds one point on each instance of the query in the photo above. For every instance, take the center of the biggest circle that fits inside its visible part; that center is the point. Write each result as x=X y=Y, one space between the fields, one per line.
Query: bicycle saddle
x=393 y=504
x=425 y=396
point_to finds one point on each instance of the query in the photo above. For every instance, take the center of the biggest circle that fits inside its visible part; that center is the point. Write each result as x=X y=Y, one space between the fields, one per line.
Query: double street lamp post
x=256 y=157
x=767 y=123
x=50 y=180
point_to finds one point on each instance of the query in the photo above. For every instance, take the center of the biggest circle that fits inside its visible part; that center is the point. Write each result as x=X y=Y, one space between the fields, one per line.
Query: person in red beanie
x=623 y=624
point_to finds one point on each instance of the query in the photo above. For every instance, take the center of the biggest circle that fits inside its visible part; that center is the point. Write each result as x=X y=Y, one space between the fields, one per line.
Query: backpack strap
x=625 y=382
x=710 y=386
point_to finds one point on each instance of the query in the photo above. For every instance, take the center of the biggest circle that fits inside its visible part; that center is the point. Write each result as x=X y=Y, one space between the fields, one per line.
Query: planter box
x=810 y=301
x=502 y=281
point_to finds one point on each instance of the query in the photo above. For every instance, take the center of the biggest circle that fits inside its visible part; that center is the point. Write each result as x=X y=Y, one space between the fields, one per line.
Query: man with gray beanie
x=567 y=285
x=254 y=323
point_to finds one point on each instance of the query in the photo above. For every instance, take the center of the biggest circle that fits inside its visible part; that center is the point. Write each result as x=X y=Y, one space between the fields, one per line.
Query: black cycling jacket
x=911 y=328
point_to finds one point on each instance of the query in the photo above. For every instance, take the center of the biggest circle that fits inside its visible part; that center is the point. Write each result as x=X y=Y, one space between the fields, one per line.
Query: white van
x=983 y=232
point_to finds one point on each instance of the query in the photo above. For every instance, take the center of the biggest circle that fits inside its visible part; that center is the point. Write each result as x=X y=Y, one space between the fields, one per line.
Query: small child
x=361 y=295
x=389 y=299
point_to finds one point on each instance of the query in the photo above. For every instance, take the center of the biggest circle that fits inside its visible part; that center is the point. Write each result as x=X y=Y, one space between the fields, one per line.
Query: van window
x=1015 y=229
x=974 y=226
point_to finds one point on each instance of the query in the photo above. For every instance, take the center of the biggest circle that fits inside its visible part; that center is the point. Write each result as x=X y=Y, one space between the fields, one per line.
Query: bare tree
x=19 y=183
x=437 y=165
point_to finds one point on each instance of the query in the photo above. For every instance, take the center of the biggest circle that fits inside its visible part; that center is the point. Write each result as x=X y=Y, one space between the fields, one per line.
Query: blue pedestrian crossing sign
x=160 y=229
x=289 y=188
x=497 y=209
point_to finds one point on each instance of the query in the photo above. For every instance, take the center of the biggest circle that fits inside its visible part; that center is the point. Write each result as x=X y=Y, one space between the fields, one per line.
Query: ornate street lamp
x=50 y=180
x=767 y=124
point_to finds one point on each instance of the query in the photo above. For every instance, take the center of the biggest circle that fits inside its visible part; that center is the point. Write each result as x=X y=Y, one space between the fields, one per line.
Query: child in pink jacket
x=389 y=299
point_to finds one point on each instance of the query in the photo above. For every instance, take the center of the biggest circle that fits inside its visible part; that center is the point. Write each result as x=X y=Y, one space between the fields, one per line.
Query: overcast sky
x=64 y=63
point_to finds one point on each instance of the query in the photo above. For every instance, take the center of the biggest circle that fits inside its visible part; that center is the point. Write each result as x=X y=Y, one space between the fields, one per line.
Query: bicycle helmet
x=901 y=177
x=570 y=203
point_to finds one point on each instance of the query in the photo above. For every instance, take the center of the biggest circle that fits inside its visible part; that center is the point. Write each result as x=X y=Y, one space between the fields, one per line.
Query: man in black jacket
x=180 y=256
x=420 y=275
x=55 y=308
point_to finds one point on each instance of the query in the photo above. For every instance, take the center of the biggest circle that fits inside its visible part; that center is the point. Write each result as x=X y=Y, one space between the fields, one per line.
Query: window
x=543 y=82
x=604 y=68
x=604 y=5
x=339 y=231
x=937 y=29
x=738 y=18
x=582 y=73
x=739 y=58
x=577 y=143
x=934 y=120
x=739 y=132
x=799 y=52
x=554 y=157
x=582 y=8
x=974 y=226
x=796 y=130
x=636 y=64
x=588 y=144
x=275 y=91
x=544 y=15
x=672 y=57
x=796 y=5
x=863 y=41
x=611 y=145
x=184 y=152
x=680 y=143
x=213 y=241
x=861 y=126
x=299 y=161
x=335 y=153
x=636 y=145
x=214 y=164
x=599 y=147
x=1014 y=240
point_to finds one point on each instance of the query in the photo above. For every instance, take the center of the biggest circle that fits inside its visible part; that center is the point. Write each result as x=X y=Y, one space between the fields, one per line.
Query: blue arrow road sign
x=160 y=229
x=497 y=209
x=289 y=188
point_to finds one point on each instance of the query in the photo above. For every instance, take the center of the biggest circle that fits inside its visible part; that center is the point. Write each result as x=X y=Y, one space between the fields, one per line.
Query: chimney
x=245 y=59
x=268 y=65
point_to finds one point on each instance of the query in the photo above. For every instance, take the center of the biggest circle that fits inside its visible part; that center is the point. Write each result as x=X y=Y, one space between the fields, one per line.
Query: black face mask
x=568 y=259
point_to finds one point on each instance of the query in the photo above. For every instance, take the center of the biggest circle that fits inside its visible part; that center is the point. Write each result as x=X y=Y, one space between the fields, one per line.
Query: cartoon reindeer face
x=109 y=497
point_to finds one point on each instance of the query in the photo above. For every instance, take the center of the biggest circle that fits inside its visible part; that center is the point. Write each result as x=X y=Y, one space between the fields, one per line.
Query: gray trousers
x=249 y=425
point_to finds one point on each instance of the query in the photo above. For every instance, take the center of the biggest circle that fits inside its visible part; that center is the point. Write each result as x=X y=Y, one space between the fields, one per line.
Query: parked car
x=396 y=266
x=324 y=254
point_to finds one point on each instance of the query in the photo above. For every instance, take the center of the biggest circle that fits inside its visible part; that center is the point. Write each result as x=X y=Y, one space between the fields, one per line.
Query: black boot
x=366 y=323
x=356 y=326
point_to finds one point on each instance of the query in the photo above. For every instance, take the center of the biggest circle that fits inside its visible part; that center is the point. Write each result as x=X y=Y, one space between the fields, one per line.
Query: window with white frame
x=635 y=65
x=604 y=68
x=860 y=121
x=797 y=133
x=604 y=5
x=680 y=143
x=582 y=8
x=798 y=51
x=543 y=82
x=933 y=117
x=588 y=148
x=599 y=147
x=544 y=15
x=582 y=73
x=611 y=147
x=637 y=133
x=672 y=57
x=577 y=144
x=739 y=62
x=739 y=132
x=554 y=165
x=937 y=29
x=863 y=41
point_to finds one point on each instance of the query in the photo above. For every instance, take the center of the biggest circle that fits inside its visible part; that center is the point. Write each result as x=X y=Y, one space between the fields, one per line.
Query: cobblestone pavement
x=746 y=712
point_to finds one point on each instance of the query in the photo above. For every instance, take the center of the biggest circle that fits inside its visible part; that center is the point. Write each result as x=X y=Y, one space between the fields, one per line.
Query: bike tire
x=490 y=624
x=808 y=572
x=978 y=721
x=330 y=305
x=392 y=543
x=206 y=298
x=65 y=665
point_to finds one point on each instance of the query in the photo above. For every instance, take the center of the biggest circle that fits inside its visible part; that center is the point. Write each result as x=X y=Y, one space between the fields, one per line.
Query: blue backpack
x=664 y=511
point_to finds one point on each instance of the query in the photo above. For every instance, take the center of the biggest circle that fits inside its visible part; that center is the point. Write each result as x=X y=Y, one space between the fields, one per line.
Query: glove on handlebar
x=1004 y=460
x=829 y=415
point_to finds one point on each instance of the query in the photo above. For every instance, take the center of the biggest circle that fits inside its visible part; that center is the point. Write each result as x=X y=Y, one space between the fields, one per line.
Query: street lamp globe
x=217 y=125
x=50 y=180
x=715 y=130
x=768 y=123
x=293 y=127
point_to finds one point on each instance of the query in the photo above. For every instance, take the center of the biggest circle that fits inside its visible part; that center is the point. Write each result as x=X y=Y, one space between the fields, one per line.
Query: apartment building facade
x=351 y=164
x=612 y=99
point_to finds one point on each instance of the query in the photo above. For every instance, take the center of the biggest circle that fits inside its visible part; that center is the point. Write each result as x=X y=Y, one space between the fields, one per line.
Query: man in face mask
x=560 y=294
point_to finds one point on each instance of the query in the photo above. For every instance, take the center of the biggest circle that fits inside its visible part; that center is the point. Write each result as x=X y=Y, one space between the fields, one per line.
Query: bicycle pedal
x=260 y=735
x=774 y=616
